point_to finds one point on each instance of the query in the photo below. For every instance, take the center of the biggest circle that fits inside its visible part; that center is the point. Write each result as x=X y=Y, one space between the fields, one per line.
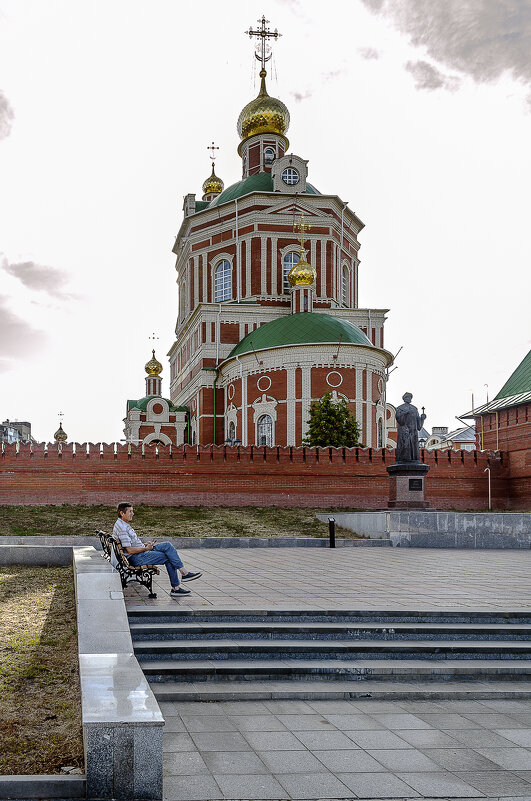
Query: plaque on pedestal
x=406 y=485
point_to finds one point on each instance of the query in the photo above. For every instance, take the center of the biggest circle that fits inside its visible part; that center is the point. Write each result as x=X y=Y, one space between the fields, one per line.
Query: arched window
x=182 y=300
x=290 y=259
x=345 y=286
x=222 y=281
x=232 y=432
x=380 y=434
x=265 y=430
x=269 y=155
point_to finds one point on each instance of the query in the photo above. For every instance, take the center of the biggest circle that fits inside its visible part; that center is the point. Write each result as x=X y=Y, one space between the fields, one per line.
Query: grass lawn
x=167 y=521
x=40 y=698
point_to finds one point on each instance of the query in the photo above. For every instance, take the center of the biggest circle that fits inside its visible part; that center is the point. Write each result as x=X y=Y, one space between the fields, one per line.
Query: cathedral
x=268 y=312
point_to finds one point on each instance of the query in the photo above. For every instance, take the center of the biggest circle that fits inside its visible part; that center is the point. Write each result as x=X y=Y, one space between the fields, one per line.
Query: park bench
x=143 y=574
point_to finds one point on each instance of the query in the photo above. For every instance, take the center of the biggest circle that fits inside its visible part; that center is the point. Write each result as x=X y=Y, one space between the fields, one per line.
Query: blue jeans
x=163 y=553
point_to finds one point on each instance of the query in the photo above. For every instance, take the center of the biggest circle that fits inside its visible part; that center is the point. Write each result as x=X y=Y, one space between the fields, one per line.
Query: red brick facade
x=228 y=476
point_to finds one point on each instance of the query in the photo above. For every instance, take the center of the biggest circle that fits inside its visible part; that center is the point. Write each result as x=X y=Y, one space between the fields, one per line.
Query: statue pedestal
x=406 y=485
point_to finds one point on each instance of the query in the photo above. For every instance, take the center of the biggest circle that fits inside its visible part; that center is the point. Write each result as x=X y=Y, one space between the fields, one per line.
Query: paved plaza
x=348 y=749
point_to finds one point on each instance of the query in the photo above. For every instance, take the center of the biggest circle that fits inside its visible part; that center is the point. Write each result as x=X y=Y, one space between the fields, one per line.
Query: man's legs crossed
x=155 y=557
x=175 y=559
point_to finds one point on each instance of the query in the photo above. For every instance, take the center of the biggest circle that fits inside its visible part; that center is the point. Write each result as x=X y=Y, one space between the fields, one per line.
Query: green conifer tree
x=331 y=424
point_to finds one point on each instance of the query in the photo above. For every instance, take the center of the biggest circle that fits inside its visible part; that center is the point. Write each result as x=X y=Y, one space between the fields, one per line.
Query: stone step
x=222 y=630
x=202 y=670
x=319 y=649
x=169 y=614
x=308 y=689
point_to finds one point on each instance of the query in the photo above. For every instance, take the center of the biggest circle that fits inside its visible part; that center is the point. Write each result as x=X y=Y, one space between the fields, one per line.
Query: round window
x=157 y=408
x=290 y=176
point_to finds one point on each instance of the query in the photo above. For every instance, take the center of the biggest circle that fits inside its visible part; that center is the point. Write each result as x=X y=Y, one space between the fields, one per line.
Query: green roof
x=259 y=182
x=299 y=329
x=143 y=402
x=520 y=380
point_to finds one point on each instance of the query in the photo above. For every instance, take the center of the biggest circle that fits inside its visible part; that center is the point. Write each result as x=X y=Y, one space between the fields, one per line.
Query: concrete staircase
x=226 y=654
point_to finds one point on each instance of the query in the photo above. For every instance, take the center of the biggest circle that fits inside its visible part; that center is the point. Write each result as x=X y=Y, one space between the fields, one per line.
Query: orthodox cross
x=153 y=336
x=302 y=227
x=60 y=416
x=213 y=148
x=263 y=53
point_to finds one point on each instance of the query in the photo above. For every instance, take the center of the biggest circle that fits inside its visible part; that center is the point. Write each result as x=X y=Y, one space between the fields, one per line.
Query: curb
x=29 y=787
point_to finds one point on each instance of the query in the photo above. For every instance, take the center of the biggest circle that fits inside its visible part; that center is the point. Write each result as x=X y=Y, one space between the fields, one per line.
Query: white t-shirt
x=127 y=536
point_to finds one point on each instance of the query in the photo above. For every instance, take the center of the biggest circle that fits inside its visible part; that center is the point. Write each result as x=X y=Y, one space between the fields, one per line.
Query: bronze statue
x=409 y=424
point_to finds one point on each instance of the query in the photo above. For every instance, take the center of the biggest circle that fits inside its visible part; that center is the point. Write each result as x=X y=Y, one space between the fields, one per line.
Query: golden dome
x=264 y=114
x=301 y=273
x=153 y=367
x=213 y=185
x=60 y=435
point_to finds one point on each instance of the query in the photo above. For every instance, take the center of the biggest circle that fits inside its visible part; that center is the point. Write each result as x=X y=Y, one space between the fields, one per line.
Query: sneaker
x=179 y=591
x=191 y=576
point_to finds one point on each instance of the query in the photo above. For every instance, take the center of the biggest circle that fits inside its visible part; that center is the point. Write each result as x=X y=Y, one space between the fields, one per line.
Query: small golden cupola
x=153 y=369
x=213 y=186
x=301 y=276
x=60 y=435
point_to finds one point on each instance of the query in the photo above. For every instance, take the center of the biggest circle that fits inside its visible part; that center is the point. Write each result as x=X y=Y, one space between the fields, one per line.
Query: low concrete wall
x=45 y=555
x=426 y=529
x=122 y=722
x=181 y=543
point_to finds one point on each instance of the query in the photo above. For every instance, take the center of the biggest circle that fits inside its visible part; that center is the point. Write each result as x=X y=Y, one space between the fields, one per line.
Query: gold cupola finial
x=264 y=114
x=302 y=272
x=153 y=368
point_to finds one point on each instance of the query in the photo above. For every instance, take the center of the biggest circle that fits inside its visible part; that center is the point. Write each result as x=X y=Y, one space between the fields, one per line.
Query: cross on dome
x=302 y=227
x=213 y=148
x=263 y=53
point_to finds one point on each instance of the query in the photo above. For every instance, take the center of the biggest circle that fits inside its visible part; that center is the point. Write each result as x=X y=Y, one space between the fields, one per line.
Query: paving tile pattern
x=360 y=749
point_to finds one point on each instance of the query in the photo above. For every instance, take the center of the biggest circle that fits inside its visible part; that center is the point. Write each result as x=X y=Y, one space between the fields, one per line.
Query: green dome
x=301 y=329
x=259 y=182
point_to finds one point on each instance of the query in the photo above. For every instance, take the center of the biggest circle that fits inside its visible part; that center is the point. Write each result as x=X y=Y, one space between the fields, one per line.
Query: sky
x=416 y=112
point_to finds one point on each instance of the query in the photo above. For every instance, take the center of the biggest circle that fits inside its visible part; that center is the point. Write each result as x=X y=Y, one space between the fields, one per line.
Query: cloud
x=369 y=52
x=481 y=38
x=298 y=96
x=428 y=77
x=17 y=337
x=37 y=276
x=7 y=116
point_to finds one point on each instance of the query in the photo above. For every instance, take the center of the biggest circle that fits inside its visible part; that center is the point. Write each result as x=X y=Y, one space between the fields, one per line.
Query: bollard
x=332 y=531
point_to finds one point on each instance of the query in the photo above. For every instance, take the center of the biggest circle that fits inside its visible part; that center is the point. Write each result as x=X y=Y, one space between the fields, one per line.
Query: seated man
x=163 y=553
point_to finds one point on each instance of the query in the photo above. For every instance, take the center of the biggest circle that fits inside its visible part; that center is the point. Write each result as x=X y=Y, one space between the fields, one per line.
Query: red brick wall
x=212 y=476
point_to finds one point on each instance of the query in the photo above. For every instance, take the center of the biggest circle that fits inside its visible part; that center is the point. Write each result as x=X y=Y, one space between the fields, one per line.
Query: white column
x=247 y=267
x=263 y=264
x=368 y=439
x=323 y=268
x=196 y=281
x=244 y=409
x=290 y=406
x=359 y=402
x=274 y=259
x=306 y=398
x=205 y=270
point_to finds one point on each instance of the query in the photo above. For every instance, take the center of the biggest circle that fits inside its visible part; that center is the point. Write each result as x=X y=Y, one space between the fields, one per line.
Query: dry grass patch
x=40 y=697
x=161 y=522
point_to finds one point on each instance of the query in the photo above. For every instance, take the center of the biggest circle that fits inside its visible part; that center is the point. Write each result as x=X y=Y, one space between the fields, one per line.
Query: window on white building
x=232 y=432
x=222 y=281
x=269 y=155
x=290 y=259
x=345 y=286
x=380 y=434
x=265 y=430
